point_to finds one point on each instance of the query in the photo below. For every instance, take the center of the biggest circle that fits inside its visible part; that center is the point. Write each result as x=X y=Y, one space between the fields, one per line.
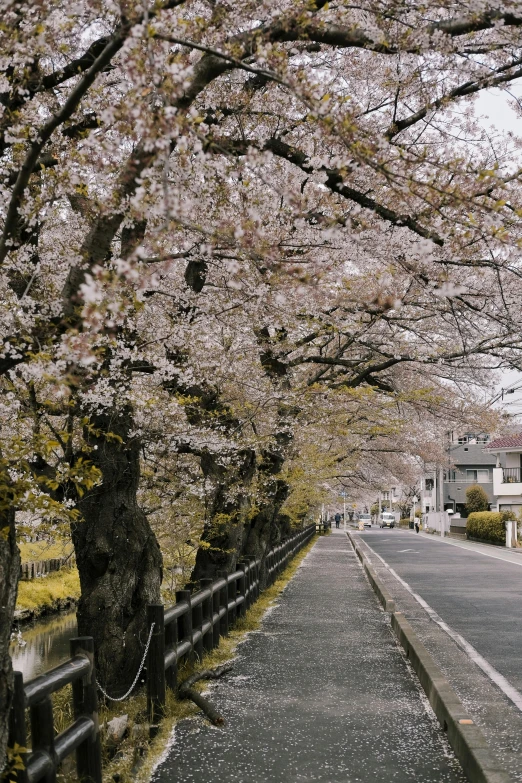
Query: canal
x=43 y=644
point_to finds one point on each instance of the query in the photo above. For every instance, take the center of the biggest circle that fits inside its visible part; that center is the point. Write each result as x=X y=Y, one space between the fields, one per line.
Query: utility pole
x=441 y=500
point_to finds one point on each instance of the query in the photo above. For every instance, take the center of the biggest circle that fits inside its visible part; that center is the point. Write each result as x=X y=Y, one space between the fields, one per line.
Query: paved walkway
x=321 y=693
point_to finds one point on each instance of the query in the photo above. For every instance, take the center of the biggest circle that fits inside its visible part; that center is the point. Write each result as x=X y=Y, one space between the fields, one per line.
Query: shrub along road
x=464 y=600
x=322 y=692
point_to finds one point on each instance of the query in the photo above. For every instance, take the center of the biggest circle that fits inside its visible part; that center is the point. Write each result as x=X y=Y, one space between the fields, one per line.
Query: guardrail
x=196 y=622
x=190 y=628
x=82 y=737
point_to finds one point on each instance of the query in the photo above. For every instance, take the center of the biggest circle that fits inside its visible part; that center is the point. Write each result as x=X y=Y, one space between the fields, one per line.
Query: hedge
x=488 y=525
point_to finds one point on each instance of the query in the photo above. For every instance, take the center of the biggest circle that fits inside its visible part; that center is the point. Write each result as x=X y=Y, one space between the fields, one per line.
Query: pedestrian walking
x=416 y=525
x=337 y=520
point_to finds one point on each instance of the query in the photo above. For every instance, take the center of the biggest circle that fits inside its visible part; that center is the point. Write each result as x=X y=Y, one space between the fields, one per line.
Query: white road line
x=467 y=548
x=495 y=676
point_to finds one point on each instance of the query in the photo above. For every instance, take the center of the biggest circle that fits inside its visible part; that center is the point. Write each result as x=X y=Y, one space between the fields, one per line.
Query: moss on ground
x=47 y=592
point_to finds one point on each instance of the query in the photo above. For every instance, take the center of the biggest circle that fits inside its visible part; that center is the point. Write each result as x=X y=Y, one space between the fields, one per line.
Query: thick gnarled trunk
x=223 y=536
x=118 y=556
x=9 y=574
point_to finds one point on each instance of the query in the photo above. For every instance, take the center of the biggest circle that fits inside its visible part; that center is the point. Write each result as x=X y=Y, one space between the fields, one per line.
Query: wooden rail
x=82 y=737
x=194 y=625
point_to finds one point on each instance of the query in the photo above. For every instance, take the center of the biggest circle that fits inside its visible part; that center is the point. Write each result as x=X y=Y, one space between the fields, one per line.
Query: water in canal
x=46 y=644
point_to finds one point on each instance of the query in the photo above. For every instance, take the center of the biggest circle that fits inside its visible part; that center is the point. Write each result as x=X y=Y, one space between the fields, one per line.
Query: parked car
x=387 y=520
x=366 y=519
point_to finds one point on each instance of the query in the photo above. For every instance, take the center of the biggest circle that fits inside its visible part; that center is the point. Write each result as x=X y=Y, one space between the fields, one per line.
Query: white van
x=387 y=519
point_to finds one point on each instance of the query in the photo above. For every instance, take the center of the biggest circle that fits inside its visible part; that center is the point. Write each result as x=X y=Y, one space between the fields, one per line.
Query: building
x=467 y=463
x=507 y=478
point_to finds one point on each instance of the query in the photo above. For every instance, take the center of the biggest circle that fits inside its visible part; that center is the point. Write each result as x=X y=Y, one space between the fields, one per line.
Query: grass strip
x=45 y=593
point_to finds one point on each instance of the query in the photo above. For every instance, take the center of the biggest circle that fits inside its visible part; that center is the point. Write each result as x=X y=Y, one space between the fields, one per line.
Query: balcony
x=466 y=481
x=511 y=476
x=507 y=482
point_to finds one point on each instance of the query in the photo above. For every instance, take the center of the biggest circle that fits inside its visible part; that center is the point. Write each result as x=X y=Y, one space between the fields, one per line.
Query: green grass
x=43 y=592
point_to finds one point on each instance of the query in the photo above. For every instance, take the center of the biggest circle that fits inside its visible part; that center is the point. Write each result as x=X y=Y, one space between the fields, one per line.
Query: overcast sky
x=494 y=105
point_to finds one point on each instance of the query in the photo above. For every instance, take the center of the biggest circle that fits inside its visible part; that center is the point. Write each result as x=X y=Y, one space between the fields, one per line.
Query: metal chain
x=142 y=664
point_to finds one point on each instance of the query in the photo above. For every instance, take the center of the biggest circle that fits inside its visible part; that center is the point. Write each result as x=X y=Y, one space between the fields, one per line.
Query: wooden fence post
x=223 y=602
x=215 y=610
x=208 y=638
x=156 y=692
x=254 y=581
x=171 y=640
x=185 y=621
x=42 y=734
x=197 y=621
x=242 y=589
x=85 y=703
x=232 y=592
x=17 y=730
x=245 y=565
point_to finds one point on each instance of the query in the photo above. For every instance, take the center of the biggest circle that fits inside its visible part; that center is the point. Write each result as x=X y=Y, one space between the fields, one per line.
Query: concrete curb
x=464 y=736
x=388 y=603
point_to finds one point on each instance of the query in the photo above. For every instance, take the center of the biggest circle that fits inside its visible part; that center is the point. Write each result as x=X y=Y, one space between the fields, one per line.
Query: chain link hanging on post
x=142 y=664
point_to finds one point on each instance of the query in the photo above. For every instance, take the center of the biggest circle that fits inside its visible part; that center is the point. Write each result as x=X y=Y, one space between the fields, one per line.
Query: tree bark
x=223 y=536
x=118 y=557
x=267 y=528
x=9 y=575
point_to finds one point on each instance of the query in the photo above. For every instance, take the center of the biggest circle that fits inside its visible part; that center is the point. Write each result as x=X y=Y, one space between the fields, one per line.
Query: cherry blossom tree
x=236 y=237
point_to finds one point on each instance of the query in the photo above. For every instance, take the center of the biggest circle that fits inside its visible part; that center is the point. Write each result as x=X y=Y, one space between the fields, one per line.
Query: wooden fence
x=37 y=568
x=82 y=737
x=190 y=628
x=196 y=622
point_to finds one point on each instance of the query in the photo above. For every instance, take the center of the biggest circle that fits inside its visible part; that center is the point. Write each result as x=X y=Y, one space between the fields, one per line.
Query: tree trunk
x=223 y=536
x=268 y=527
x=9 y=575
x=118 y=557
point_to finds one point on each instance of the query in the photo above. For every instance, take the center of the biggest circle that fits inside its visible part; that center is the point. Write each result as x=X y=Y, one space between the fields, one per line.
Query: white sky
x=495 y=106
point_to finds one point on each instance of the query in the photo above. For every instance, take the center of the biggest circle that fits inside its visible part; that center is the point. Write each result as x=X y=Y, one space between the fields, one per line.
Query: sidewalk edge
x=466 y=739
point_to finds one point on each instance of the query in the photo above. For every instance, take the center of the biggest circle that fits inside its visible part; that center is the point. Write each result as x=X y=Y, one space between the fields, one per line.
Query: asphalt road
x=476 y=590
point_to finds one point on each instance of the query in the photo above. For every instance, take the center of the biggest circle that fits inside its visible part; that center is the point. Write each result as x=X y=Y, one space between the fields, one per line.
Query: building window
x=385 y=495
x=429 y=485
x=480 y=476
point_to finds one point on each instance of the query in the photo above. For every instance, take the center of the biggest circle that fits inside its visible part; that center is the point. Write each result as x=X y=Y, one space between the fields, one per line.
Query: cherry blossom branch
x=67 y=110
x=334 y=182
x=216 y=53
x=468 y=88
x=353 y=37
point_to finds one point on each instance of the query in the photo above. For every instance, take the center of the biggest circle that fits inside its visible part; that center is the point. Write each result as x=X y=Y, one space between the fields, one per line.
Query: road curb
x=465 y=737
x=387 y=602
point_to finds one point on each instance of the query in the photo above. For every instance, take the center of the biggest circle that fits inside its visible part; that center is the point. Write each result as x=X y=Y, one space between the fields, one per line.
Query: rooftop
x=506 y=442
